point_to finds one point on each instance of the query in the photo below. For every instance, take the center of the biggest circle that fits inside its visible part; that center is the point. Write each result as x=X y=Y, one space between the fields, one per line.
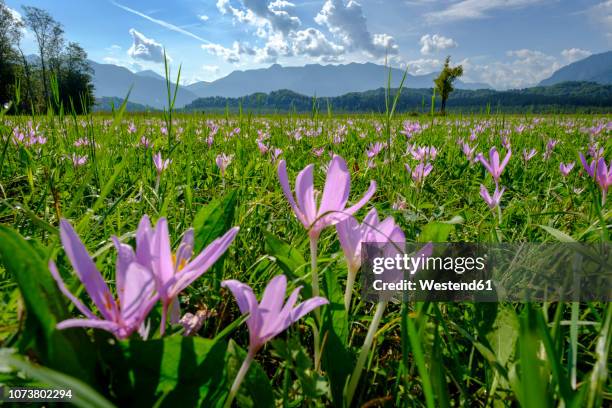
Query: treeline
x=567 y=97
x=59 y=78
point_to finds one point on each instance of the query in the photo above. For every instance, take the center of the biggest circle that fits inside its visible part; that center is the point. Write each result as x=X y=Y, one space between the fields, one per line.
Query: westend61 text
x=432 y=285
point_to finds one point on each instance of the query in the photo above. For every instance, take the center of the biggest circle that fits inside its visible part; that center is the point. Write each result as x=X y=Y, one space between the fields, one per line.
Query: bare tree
x=45 y=29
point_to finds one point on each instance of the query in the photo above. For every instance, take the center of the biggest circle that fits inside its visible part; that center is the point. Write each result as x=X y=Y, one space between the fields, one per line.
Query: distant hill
x=147 y=73
x=147 y=89
x=595 y=68
x=564 y=97
x=105 y=104
x=314 y=79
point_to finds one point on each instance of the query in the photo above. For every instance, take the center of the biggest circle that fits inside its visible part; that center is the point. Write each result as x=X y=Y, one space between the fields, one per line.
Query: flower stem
x=315 y=292
x=348 y=292
x=244 y=368
x=313 y=265
x=365 y=350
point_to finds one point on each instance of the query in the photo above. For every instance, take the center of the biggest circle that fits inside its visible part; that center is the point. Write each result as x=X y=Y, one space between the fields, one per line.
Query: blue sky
x=506 y=43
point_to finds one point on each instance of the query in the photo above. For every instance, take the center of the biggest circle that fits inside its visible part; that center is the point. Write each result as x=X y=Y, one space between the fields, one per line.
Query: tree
x=10 y=34
x=47 y=32
x=444 y=81
x=76 y=89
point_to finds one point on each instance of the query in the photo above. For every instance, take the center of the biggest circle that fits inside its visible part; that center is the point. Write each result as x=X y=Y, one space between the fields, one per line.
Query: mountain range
x=595 y=68
x=149 y=88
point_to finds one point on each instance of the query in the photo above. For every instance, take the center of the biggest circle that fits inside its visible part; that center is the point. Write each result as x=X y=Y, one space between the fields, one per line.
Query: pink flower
x=528 y=155
x=172 y=272
x=272 y=315
x=419 y=173
x=223 y=160
x=332 y=208
x=493 y=166
x=589 y=168
x=566 y=168
x=603 y=177
x=160 y=164
x=492 y=202
x=135 y=288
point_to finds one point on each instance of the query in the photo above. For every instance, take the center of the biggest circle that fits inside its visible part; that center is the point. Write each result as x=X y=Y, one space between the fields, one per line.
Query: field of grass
x=99 y=173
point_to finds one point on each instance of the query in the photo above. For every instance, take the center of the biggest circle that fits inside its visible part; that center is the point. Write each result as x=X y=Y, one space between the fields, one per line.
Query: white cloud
x=277 y=25
x=203 y=17
x=146 y=49
x=231 y=55
x=347 y=22
x=575 y=54
x=524 y=68
x=423 y=66
x=473 y=9
x=434 y=43
x=266 y=17
x=211 y=69
x=313 y=43
x=602 y=14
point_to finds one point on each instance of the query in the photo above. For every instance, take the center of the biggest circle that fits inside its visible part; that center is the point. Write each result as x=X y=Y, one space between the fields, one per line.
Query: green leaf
x=558 y=235
x=436 y=232
x=173 y=371
x=533 y=387
x=503 y=335
x=71 y=350
x=289 y=259
x=82 y=394
x=337 y=359
x=213 y=220
x=255 y=390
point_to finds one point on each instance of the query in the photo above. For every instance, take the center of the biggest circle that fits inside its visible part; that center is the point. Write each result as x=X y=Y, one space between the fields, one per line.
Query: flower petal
x=139 y=288
x=337 y=187
x=304 y=191
x=200 y=263
x=306 y=307
x=125 y=256
x=284 y=181
x=62 y=287
x=87 y=272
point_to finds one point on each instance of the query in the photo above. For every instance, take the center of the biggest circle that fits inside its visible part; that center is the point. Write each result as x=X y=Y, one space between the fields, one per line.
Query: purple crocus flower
x=493 y=166
x=566 y=168
x=160 y=164
x=275 y=153
x=272 y=315
x=78 y=161
x=267 y=318
x=351 y=235
x=603 y=177
x=135 y=288
x=173 y=272
x=528 y=155
x=468 y=151
x=144 y=142
x=332 y=207
x=374 y=149
x=223 y=160
x=263 y=149
x=589 y=168
x=494 y=201
x=419 y=173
